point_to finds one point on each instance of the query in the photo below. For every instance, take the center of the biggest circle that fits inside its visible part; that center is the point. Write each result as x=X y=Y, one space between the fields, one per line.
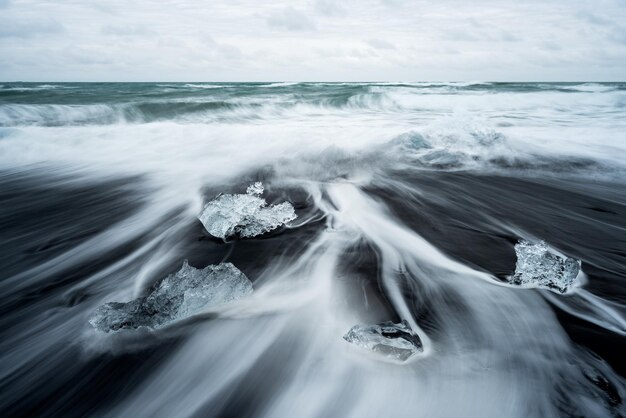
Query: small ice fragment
x=178 y=296
x=247 y=215
x=538 y=267
x=256 y=188
x=395 y=341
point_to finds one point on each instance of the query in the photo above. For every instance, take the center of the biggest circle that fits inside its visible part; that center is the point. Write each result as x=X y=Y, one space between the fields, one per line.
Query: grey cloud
x=462 y=35
x=619 y=36
x=291 y=19
x=595 y=19
x=550 y=46
x=330 y=8
x=506 y=36
x=126 y=30
x=10 y=28
x=479 y=33
x=345 y=53
x=614 y=30
x=380 y=44
x=230 y=52
x=4 y=3
x=85 y=56
x=393 y=3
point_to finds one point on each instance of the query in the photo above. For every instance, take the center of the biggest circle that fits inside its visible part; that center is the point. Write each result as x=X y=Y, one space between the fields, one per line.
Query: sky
x=312 y=40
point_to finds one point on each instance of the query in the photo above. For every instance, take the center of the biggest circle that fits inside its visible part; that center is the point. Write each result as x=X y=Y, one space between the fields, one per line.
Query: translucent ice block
x=246 y=215
x=178 y=296
x=396 y=341
x=538 y=267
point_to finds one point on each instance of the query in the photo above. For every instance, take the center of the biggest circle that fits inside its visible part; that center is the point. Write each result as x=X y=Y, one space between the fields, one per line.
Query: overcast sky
x=308 y=40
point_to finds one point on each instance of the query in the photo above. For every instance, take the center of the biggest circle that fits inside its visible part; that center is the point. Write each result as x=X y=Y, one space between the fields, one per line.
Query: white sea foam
x=551 y=124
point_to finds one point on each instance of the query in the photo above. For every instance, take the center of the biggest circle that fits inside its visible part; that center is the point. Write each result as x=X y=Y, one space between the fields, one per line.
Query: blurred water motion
x=409 y=201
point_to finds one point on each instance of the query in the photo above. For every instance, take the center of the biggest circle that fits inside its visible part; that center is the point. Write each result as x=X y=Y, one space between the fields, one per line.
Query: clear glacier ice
x=396 y=341
x=539 y=267
x=256 y=188
x=178 y=296
x=246 y=215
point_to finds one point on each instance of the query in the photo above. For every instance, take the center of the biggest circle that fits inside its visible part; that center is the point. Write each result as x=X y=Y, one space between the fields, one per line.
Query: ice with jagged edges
x=246 y=215
x=395 y=341
x=178 y=296
x=539 y=267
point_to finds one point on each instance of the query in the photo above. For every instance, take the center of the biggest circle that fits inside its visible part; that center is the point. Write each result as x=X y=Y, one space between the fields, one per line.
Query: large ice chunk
x=538 y=267
x=396 y=341
x=247 y=215
x=178 y=296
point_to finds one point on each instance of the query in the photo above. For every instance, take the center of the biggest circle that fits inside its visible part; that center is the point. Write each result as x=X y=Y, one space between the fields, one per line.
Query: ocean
x=410 y=199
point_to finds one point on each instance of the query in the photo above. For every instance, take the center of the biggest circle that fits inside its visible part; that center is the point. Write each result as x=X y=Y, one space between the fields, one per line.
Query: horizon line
x=321 y=81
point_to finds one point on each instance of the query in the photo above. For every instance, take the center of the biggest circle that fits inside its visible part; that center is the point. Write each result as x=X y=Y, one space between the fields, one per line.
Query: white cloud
x=312 y=40
x=291 y=19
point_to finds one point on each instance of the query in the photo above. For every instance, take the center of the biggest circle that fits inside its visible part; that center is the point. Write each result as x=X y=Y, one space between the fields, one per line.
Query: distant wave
x=104 y=114
x=591 y=88
x=39 y=87
x=208 y=86
x=58 y=115
x=281 y=84
x=208 y=103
